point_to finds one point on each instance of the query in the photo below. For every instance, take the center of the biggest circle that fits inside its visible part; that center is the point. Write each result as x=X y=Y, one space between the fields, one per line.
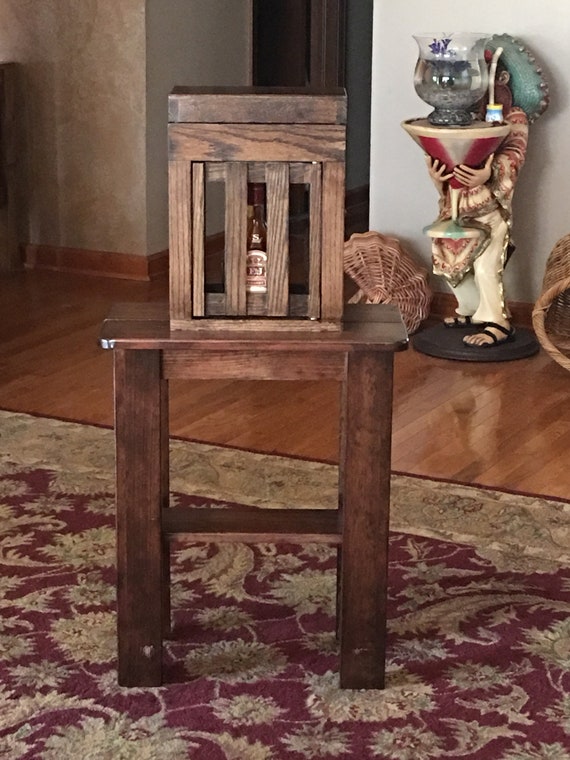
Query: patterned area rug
x=479 y=618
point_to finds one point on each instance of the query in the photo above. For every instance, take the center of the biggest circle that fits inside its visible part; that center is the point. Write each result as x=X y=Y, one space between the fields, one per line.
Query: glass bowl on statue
x=451 y=75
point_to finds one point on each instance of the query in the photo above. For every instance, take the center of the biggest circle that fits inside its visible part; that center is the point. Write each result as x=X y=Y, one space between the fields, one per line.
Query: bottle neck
x=257 y=228
x=258 y=213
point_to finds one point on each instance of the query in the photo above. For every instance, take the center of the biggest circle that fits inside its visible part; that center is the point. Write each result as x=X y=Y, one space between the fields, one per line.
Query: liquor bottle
x=256 y=260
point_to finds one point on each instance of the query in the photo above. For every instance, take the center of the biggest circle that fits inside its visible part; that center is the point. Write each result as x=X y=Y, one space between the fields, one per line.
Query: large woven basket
x=551 y=313
x=385 y=273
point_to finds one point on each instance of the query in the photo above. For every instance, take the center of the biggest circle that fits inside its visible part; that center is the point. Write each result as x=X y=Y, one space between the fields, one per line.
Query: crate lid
x=257 y=105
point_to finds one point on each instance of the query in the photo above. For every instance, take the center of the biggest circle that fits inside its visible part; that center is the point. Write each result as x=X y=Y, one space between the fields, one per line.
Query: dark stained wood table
x=147 y=354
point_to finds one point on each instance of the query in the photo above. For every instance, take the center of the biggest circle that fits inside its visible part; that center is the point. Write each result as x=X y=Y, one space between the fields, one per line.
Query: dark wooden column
x=141 y=429
x=299 y=43
x=365 y=503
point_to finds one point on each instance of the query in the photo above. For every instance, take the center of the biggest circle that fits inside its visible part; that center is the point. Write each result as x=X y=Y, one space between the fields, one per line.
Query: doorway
x=299 y=43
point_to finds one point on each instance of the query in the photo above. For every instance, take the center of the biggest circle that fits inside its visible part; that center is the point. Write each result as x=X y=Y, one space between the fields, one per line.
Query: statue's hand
x=437 y=171
x=474 y=177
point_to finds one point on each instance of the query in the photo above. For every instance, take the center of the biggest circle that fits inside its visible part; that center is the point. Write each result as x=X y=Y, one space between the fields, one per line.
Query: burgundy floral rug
x=479 y=619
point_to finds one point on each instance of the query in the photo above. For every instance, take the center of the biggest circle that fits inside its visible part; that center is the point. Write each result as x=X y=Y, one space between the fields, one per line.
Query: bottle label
x=256 y=272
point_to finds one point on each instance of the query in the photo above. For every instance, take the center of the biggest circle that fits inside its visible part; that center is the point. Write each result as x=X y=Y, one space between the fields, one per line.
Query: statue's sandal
x=459 y=321
x=508 y=332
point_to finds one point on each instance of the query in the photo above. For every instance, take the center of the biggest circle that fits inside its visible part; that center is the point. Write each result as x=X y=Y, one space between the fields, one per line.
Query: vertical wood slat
x=332 y=241
x=236 y=238
x=277 y=199
x=315 y=239
x=179 y=204
x=198 y=238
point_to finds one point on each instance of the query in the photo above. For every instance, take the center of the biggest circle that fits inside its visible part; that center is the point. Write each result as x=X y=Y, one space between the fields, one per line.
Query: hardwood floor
x=504 y=424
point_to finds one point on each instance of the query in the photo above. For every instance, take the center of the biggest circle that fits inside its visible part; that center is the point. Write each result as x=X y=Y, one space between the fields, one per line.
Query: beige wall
x=84 y=94
x=95 y=145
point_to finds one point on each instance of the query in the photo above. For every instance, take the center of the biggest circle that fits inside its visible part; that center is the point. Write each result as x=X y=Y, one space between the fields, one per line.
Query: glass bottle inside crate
x=256 y=260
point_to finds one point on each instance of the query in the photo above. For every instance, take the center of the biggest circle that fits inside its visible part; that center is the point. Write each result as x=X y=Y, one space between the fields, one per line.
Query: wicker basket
x=385 y=273
x=551 y=313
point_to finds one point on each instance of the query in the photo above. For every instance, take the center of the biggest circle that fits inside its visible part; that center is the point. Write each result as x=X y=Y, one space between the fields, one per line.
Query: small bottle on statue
x=256 y=261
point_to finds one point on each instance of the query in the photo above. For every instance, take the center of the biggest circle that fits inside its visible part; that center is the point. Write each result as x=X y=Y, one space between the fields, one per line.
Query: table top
x=139 y=325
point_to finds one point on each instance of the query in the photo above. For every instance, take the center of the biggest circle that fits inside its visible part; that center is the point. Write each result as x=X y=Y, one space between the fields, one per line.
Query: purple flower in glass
x=439 y=47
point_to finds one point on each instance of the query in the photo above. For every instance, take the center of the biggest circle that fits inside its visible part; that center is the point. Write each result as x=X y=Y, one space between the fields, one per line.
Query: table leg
x=140 y=422
x=365 y=489
x=165 y=502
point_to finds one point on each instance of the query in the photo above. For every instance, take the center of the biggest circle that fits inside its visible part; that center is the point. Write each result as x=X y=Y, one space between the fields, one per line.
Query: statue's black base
x=447 y=343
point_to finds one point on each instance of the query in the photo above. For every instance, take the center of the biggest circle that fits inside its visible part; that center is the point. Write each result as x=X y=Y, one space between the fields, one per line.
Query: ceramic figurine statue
x=478 y=195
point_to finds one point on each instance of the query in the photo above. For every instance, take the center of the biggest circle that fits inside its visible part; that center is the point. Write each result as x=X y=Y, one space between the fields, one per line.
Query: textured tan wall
x=96 y=75
x=84 y=89
x=99 y=125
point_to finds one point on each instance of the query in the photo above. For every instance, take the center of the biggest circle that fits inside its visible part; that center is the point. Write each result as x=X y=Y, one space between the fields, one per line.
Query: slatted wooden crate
x=281 y=138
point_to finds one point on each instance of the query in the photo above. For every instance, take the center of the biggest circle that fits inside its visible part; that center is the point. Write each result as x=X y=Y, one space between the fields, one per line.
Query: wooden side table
x=147 y=354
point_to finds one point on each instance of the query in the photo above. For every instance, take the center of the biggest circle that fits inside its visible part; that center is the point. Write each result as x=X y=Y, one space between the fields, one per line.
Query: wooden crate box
x=281 y=138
